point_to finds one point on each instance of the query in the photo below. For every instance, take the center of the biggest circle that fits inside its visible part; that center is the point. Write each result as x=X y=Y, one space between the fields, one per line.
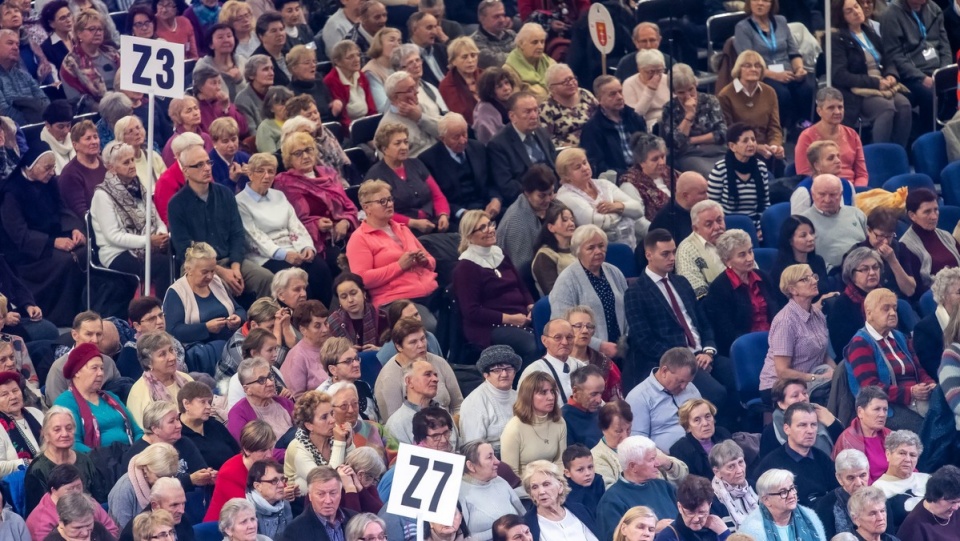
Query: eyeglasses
x=168 y=534
x=143 y=24
x=487 y=227
x=351 y=360
x=785 y=493
x=884 y=236
x=443 y=436
x=562 y=338
x=582 y=326
x=276 y=481
x=566 y=82
x=865 y=270
x=259 y=381
x=347 y=406
x=497 y=370
x=201 y=165
x=151 y=319
x=808 y=279
x=381 y=537
x=693 y=513
x=265 y=171
x=382 y=202
x=302 y=151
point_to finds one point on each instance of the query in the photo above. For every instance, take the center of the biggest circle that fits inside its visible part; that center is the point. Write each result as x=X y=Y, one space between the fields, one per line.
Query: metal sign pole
x=148 y=198
x=828 y=38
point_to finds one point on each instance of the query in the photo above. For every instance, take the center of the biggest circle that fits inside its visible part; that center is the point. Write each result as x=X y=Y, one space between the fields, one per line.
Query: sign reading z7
x=423 y=465
x=152 y=66
x=426 y=483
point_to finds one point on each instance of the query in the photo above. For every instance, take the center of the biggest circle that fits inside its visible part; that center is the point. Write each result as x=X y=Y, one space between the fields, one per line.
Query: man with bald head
x=900 y=374
x=558 y=339
x=167 y=494
x=675 y=217
x=839 y=227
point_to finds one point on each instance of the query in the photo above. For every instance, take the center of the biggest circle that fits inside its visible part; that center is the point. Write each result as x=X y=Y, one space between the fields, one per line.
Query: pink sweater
x=375 y=256
x=44 y=519
x=854 y=166
x=302 y=370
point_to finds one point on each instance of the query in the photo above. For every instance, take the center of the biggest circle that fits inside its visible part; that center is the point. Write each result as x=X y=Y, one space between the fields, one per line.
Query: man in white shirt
x=558 y=339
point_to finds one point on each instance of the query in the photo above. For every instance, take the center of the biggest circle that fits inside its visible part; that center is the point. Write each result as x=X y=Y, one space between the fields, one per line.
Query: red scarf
x=91 y=430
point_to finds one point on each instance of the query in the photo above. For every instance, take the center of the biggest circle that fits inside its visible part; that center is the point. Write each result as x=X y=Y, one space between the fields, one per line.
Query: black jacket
x=928 y=343
x=578 y=511
x=689 y=450
x=443 y=168
x=601 y=140
x=850 y=69
x=730 y=311
x=280 y=78
x=440 y=55
x=308 y=526
x=320 y=93
x=509 y=160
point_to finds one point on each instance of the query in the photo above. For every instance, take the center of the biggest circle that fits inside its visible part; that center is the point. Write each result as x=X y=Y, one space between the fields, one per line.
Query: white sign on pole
x=601 y=28
x=426 y=484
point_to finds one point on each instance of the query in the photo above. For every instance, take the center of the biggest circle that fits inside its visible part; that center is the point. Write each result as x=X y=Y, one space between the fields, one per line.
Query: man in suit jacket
x=424 y=33
x=652 y=304
x=518 y=146
x=459 y=166
x=606 y=136
x=323 y=518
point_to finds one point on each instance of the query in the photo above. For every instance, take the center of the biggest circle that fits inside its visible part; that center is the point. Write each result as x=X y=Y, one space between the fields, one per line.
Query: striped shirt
x=717 y=190
x=950 y=378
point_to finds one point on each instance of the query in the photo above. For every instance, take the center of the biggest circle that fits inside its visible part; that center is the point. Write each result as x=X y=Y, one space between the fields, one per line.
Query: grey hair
x=525 y=31
x=650 y=57
x=899 y=438
x=855 y=258
x=700 y=208
x=150 y=343
x=341 y=386
x=113 y=150
x=163 y=486
x=844 y=536
x=584 y=233
x=446 y=121
x=643 y=143
x=341 y=49
x=230 y=510
x=12 y=33
x=73 y=507
x=724 y=452
x=395 y=78
x=254 y=63
x=203 y=74
x=275 y=95
x=633 y=449
x=366 y=459
x=849 y=460
x=401 y=52
x=772 y=479
x=860 y=499
x=123 y=124
x=114 y=106
x=553 y=69
x=580 y=309
x=358 y=524
x=48 y=418
x=154 y=413
x=828 y=93
x=730 y=241
x=247 y=367
x=293 y=125
x=281 y=280
x=683 y=76
x=184 y=141
x=947 y=277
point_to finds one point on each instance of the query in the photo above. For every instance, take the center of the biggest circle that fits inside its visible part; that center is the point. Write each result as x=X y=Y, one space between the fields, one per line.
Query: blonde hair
x=748 y=56
x=299 y=54
x=306 y=407
x=196 y=252
x=295 y=141
x=547 y=468
x=687 y=407
x=370 y=187
x=85 y=17
x=791 y=275
x=231 y=10
x=154 y=413
x=468 y=222
x=261 y=160
x=223 y=128
x=463 y=44
x=177 y=106
x=632 y=515
x=385 y=132
x=566 y=158
x=161 y=459
x=145 y=523
x=122 y=125
x=332 y=349
x=376 y=44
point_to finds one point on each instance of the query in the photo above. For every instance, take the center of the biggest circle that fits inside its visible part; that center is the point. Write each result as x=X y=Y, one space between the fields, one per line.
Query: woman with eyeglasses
x=487 y=409
x=583 y=320
x=57 y=19
x=902 y=268
x=695 y=521
x=779 y=511
x=154 y=526
x=862 y=270
x=319 y=441
x=141 y=22
x=172 y=26
x=350 y=408
x=935 y=248
x=265 y=490
x=239 y=16
x=568 y=108
x=261 y=400
x=365 y=527
x=89 y=69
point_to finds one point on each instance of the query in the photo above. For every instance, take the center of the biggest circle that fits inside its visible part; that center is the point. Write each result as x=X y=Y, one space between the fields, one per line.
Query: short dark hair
x=430 y=418
x=213 y=29
x=539 y=178
x=254 y=341
x=259 y=469
x=61 y=475
x=49 y=13
x=780 y=387
x=83 y=317
x=919 y=196
x=306 y=311
x=190 y=391
x=944 y=484
x=677 y=359
x=693 y=491
x=278 y=4
x=181 y=6
x=804 y=407
x=349 y=277
x=656 y=236
x=140 y=9
x=141 y=306
x=883 y=219
x=501 y=526
x=517 y=96
x=736 y=130
x=613 y=409
x=415 y=18
x=869 y=393
x=573 y=452
x=265 y=20
x=490 y=80
x=579 y=376
x=404 y=328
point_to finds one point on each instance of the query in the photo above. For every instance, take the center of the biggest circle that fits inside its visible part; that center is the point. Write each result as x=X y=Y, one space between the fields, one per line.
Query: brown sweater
x=763 y=115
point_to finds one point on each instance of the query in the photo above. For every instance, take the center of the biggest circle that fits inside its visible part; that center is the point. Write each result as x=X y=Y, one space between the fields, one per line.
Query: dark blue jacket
x=601 y=140
x=588 y=497
x=578 y=511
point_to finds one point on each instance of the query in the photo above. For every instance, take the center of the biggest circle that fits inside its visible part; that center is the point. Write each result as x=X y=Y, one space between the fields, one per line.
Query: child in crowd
x=586 y=487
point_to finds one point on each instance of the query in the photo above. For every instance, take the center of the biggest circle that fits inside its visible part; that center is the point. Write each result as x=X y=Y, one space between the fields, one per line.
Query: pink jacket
x=44 y=519
x=375 y=257
x=301 y=369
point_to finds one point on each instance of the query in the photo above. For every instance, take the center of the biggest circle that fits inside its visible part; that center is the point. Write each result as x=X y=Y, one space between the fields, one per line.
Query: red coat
x=341 y=92
x=167 y=186
x=456 y=94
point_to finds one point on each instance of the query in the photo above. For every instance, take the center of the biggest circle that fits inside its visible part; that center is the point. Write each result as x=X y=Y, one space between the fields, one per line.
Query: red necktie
x=679 y=314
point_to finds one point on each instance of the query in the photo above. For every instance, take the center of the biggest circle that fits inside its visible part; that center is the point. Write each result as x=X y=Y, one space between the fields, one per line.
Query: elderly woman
x=614 y=420
x=740 y=300
x=261 y=401
x=697 y=257
x=20 y=441
x=698 y=419
x=647 y=180
x=649 y=90
x=494 y=89
x=257 y=443
x=57 y=20
x=487 y=409
x=484 y=496
x=274 y=118
x=407 y=58
x=331 y=153
x=852 y=470
x=786 y=392
x=868 y=512
x=200 y=310
x=862 y=269
x=597 y=201
x=397 y=310
x=593 y=283
x=239 y=16
x=695 y=121
x=552 y=515
x=553 y=254
x=63 y=480
x=528 y=61
x=830 y=127
x=157 y=524
x=130 y=130
x=536 y=431
x=319 y=440
x=866 y=74
x=57 y=435
x=88 y=70
x=356 y=319
x=118 y=215
x=113 y=106
x=459 y=87
x=779 y=509
x=208 y=434
x=265 y=490
x=350 y=409
x=174 y=27
x=902 y=483
x=868 y=430
x=276 y=236
x=238 y=521
x=368 y=467
x=494 y=302
x=750 y=101
x=583 y=320
x=928 y=335
x=76 y=520
x=258 y=74
x=303 y=80
x=161 y=382
x=935 y=248
x=734 y=495
x=185 y=114
x=348 y=84
x=568 y=108
x=221 y=46
x=214 y=101
x=740 y=181
x=380 y=65
x=104 y=420
x=902 y=268
x=694 y=521
x=365 y=526
x=131 y=494
x=638 y=524
x=289 y=288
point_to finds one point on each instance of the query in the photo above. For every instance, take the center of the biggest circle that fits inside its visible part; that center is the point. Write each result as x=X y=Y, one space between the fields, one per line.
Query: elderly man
x=839 y=227
x=936 y=518
x=204 y=211
x=342 y=22
x=323 y=518
x=606 y=136
x=459 y=165
x=697 y=257
x=656 y=400
x=640 y=483
x=447 y=30
x=824 y=159
x=172 y=179
x=582 y=411
x=425 y=33
x=420 y=381
x=811 y=467
x=494 y=37
x=167 y=494
x=518 y=146
x=691 y=188
x=20 y=96
x=87 y=329
x=558 y=339
x=853 y=473
x=422 y=129
x=646 y=35
x=373 y=17
x=523 y=217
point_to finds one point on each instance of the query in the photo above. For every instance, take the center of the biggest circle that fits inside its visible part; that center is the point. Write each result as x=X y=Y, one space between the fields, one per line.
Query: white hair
x=163 y=487
x=702 y=207
x=584 y=233
x=633 y=449
x=281 y=280
x=341 y=386
x=113 y=150
x=448 y=121
x=185 y=141
x=528 y=30
x=772 y=479
x=649 y=57
x=851 y=459
x=395 y=78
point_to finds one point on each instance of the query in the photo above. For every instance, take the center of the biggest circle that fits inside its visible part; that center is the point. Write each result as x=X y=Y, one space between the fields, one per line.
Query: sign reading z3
x=165 y=76
x=423 y=465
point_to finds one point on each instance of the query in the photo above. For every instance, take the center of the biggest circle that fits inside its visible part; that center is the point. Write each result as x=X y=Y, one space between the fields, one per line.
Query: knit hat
x=58 y=111
x=78 y=358
x=494 y=355
x=6 y=377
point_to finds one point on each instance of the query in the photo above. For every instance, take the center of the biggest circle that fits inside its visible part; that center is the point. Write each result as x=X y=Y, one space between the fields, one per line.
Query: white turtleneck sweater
x=485 y=412
x=483 y=503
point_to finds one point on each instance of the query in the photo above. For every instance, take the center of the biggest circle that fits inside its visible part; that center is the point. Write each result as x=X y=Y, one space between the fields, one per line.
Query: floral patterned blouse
x=709 y=118
x=565 y=123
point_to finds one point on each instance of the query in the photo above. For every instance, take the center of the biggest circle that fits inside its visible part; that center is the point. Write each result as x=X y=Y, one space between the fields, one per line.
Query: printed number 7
x=165 y=78
x=422 y=465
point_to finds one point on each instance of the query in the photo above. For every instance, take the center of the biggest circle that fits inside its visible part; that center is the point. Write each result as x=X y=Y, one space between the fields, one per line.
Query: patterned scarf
x=304 y=438
x=21 y=444
x=341 y=324
x=205 y=14
x=739 y=501
x=158 y=392
x=128 y=204
x=91 y=430
x=799 y=523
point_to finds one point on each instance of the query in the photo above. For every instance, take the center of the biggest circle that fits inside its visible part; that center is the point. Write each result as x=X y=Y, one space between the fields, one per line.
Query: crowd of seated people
x=317 y=300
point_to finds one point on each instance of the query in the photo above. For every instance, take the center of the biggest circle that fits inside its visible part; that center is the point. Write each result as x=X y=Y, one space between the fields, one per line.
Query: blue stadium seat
x=949 y=216
x=927 y=304
x=930 y=154
x=910 y=180
x=744 y=222
x=908 y=317
x=207 y=531
x=771 y=221
x=950 y=184
x=765 y=258
x=790 y=170
x=369 y=367
x=747 y=354
x=621 y=256
x=885 y=161
x=541 y=315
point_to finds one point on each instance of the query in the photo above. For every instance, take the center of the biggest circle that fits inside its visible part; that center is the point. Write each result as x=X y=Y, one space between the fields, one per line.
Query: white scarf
x=487 y=257
x=942 y=317
x=63 y=152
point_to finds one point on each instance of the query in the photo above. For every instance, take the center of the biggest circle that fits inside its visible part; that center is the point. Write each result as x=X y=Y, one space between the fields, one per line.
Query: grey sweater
x=12 y=527
x=904 y=44
x=573 y=288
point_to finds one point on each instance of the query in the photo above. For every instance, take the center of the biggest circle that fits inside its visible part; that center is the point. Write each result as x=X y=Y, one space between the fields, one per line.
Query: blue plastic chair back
x=369 y=367
x=950 y=184
x=207 y=531
x=748 y=353
x=771 y=221
x=621 y=256
x=902 y=226
x=911 y=181
x=541 y=315
x=927 y=304
x=949 y=216
x=885 y=161
x=908 y=318
x=765 y=258
x=790 y=170
x=196 y=506
x=744 y=222
x=15 y=491
x=930 y=154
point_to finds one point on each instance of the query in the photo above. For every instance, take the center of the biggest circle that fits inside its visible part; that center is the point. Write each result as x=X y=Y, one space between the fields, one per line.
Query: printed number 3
x=165 y=78
x=423 y=464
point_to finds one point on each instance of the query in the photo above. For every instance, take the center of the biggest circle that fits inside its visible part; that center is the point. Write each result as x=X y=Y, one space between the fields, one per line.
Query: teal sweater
x=658 y=495
x=110 y=421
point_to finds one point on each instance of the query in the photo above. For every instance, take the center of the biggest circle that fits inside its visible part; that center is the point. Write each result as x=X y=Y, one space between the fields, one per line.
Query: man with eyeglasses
x=813 y=469
x=494 y=37
x=146 y=315
x=204 y=211
x=839 y=227
x=558 y=339
x=167 y=494
x=606 y=136
x=20 y=96
x=421 y=381
x=582 y=411
x=486 y=410
x=645 y=36
x=525 y=142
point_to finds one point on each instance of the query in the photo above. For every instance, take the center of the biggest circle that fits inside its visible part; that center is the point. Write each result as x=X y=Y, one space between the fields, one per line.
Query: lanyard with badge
x=866 y=45
x=929 y=53
x=771 y=43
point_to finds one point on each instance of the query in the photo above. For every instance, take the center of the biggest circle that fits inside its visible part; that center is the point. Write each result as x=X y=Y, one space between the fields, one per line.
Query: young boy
x=586 y=487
